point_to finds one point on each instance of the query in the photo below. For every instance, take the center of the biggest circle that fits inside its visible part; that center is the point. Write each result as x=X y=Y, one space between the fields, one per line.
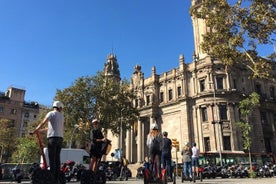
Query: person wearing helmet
x=166 y=157
x=155 y=144
x=55 y=121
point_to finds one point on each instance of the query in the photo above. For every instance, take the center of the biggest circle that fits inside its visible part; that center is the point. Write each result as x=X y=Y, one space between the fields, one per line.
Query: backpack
x=106 y=147
x=155 y=145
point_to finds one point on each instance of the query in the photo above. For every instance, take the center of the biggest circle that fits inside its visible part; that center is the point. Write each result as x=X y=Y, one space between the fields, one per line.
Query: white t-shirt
x=195 y=152
x=55 y=124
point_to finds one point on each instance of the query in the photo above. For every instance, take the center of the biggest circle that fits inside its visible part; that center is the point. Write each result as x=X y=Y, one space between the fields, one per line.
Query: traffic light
x=175 y=144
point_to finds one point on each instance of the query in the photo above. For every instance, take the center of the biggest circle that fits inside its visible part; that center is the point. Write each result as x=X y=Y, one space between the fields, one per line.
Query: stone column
x=128 y=145
x=139 y=142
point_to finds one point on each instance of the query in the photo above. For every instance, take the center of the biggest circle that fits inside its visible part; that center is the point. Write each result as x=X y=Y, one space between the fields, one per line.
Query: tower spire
x=200 y=28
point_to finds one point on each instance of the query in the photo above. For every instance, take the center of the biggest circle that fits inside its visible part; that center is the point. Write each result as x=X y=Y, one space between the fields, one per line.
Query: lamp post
x=76 y=127
x=121 y=133
x=216 y=120
x=2 y=148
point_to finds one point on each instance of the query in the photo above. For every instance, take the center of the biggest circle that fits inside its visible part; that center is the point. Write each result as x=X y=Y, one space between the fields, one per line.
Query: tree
x=27 y=150
x=7 y=134
x=238 y=30
x=246 y=107
x=96 y=97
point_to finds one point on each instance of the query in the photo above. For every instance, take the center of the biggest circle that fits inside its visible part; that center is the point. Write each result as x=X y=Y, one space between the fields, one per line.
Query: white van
x=79 y=156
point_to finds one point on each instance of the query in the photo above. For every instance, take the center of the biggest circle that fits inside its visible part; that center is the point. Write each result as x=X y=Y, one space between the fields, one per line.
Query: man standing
x=55 y=120
x=195 y=155
x=166 y=156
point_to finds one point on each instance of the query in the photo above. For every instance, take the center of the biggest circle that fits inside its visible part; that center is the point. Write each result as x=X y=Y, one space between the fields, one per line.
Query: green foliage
x=246 y=107
x=7 y=134
x=27 y=150
x=96 y=97
x=237 y=29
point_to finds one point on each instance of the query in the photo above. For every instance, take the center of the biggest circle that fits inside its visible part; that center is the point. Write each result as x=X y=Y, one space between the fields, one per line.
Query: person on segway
x=97 y=138
x=55 y=120
x=166 y=157
x=155 y=144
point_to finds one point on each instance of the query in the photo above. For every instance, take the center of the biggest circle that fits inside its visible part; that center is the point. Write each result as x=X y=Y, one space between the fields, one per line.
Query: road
x=206 y=181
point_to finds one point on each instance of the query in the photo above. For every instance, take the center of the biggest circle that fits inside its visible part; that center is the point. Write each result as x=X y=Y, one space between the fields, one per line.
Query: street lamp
x=216 y=120
x=76 y=127
x=121 y=133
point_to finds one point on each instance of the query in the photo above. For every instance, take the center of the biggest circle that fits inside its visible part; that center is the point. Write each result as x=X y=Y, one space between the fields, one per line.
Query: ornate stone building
x=198 y=102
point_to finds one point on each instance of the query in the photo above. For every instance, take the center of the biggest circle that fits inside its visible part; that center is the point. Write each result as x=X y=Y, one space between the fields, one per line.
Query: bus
x=235 y=157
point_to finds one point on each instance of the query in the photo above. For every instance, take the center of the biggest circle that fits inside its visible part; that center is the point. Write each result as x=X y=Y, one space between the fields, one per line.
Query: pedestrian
x=187 y=160
x=166 y=156
x=55 y=120
x=195 y=155
x=124 y=164
x=155 y=143
x=97 y=139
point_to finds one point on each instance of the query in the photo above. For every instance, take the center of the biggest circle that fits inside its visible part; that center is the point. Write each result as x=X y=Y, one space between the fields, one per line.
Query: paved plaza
x=206 y=181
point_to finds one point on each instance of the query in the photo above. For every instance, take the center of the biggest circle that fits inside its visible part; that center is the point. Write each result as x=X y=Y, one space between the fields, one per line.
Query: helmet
x=154 y=127
x=165 y=134
x=58 y=104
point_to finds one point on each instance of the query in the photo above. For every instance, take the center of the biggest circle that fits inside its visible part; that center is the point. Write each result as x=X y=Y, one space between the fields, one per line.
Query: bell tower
x=200 y=28
x=111 y=68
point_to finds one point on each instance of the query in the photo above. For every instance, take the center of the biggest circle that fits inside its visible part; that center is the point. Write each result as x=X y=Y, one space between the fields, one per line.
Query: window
x=202 y=85
x=207 y=144
x=170 y=94
x=263 y=117
x=272 y=92
x=268 y=145
x=234 y=84
x=178 y=91
x=226 y=143
x=204 y=114
x=219 y=83
x=148 y=99
x=13 y=111
x=258 y=89
x=1 y=109
x=161 y=97
x=223 y=112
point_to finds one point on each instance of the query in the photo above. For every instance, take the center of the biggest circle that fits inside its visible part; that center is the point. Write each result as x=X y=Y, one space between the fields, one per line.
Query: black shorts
x=95 y=151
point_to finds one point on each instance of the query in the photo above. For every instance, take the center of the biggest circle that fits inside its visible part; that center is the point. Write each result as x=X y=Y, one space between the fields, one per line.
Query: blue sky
x=47 y=44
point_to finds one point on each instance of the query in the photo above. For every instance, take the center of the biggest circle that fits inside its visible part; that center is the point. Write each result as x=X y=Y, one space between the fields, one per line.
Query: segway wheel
x=62 y=178
x=41 y=176
x=87 y=177
x=100 y=178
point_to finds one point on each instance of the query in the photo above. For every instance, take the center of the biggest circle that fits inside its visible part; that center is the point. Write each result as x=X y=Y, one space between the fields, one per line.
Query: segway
x=40 y=174
x=150 y=176
x=98 y=177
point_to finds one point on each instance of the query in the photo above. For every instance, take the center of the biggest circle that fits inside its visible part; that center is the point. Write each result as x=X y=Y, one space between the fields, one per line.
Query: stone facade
x=184 y=102
x=198 y=102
